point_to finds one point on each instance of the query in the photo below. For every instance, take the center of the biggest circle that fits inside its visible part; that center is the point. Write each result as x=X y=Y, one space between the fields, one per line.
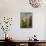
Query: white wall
x=12 y=8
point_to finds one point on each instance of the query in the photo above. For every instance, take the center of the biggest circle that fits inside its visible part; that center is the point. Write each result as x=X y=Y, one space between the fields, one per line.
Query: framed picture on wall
x=26 y=20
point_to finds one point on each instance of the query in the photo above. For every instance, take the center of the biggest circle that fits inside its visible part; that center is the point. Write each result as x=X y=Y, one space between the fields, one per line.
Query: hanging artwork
x=26 y=20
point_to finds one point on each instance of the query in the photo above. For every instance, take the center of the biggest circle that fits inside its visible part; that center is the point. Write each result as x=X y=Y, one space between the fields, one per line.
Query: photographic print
x=25 y=20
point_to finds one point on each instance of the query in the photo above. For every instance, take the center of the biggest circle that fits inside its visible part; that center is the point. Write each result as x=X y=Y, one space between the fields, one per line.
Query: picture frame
x=26 y=20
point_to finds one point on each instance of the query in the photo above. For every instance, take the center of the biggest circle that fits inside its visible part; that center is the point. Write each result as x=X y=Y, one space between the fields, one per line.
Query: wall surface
x=12 y=8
